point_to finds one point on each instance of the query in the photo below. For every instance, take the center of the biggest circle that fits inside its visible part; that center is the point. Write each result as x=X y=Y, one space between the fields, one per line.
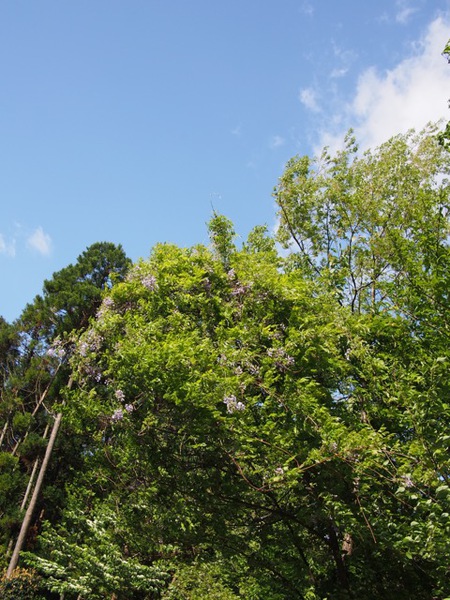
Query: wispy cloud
x=308 y=97
x=40 y=241
x=277 y=141
x=307 y=8
x=410 y=95
x=405 y=9
x=237 y=130
x=343 y=59
x=336 y=72
x=7 y=247
x=401 y=12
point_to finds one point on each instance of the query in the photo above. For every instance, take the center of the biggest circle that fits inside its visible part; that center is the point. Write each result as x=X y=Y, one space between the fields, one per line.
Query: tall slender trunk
x=5 y=427
x=29 y=512
x=27 y=491
x=32 y=476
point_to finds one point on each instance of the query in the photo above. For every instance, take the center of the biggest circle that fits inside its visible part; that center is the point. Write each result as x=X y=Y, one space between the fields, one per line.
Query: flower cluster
x=149 y=281
x=117 y=415
x=93 y=373
x=232 y=404
x=239 y=289
x=56 y=350
x=283 y=360
x=120 y=395
x=334 y=447
x=91 y=343
x=107 y=304
x=407 y=481
x=83 y=348
x=253 y=369
x=207 y=284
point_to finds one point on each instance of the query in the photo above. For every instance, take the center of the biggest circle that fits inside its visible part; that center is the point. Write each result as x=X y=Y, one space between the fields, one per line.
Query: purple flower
x=253 y=369
x=107 y=303
x=407 y=481
x=117 y=415
x=283 y=360
x=239 y=290
x=56 y=351
x=83 y=348
x=232 y=404
x=149 y=281
x=120 y=395
x=129 y=408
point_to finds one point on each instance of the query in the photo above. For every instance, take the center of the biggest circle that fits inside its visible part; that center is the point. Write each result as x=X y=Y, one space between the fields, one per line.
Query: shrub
x=22 y=585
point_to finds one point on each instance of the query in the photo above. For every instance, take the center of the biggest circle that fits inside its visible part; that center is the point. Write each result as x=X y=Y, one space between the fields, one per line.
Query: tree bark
x=5 y=427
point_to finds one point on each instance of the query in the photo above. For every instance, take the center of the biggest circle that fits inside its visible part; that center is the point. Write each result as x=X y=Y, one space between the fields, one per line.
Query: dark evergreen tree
x=32 y=388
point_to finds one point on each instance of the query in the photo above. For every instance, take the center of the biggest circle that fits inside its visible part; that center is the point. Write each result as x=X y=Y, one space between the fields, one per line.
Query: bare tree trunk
x=27 y=492
x=29 y=513
x=5 y=427
x=30 y=483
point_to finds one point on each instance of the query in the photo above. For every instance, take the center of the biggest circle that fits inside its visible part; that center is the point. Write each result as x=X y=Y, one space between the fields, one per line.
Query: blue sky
x=127 y=121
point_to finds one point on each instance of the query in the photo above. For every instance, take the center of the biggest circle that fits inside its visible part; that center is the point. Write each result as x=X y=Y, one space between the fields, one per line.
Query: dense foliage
x=242 y=424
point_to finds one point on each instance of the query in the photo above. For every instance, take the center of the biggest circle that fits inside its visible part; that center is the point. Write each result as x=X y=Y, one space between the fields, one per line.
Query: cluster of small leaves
x=23 y=584
x=89 y=562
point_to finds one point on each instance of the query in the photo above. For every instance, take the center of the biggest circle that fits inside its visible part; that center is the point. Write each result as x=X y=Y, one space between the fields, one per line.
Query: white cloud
x=307 y=8
x=277 y=141
x=8 y=248
x=405 y=10
x=336 y=73
x=308 y=98
x=410 y=95
x=40 y=241
x=343 y=59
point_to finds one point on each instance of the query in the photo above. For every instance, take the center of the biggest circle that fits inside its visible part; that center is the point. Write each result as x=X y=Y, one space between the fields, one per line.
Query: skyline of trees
x=244 y=421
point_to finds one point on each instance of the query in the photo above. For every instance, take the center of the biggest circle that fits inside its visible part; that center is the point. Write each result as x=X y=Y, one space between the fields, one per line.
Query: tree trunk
x=29 y=513
x=27 y=492
x=5 y=427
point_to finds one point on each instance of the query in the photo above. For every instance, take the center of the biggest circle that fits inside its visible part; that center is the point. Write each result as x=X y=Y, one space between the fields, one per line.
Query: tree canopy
x=245 y=423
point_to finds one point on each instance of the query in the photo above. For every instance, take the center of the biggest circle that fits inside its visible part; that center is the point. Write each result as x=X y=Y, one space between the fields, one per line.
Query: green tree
x=278 y=431
x=72 y=296
x=32 y=389
x=368 y=226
